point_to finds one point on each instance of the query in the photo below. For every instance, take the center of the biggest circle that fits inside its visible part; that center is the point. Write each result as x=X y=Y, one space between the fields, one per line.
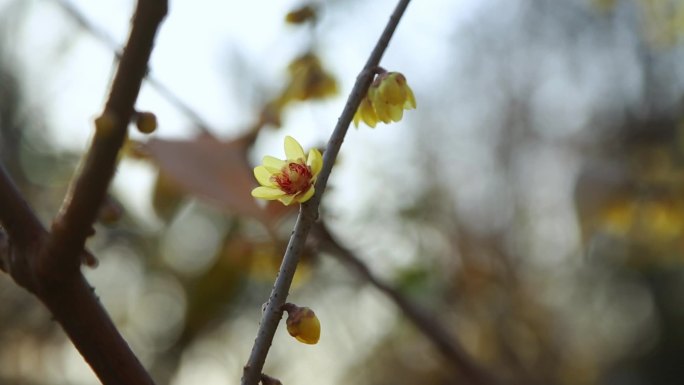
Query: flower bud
x=146 y=122
x=387 y=98
x=301 y=15
x=302 y=324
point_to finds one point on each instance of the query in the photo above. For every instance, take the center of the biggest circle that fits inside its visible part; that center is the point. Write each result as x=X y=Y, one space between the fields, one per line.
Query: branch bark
x=308 y=212
x=79 y=210
x=48 y=264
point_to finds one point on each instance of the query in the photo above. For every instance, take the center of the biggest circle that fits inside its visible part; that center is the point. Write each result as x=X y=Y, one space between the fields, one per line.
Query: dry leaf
x=214 y=171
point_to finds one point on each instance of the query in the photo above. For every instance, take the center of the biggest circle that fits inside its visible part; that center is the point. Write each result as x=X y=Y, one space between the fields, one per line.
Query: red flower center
x=295 y=178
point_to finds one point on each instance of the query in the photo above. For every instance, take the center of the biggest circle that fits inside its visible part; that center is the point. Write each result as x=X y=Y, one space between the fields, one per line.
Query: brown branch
x=425 y=322
x=75 y=306
x=79 y=210
x=308 y=212
x=72 y=301
x=48 y=265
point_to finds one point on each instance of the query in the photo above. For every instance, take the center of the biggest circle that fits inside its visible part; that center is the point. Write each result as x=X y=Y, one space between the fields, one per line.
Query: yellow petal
x=357 y=118
x=367 y=113
x=315 y=161
x=307 y=195
x=268 y=193
x=392 y=89
x=371 y=121
x=382 y=111
x=286 y=199
x=410 y=102
x=293 y=150
x=396 y=113
x=273 y=165
x=263 y=176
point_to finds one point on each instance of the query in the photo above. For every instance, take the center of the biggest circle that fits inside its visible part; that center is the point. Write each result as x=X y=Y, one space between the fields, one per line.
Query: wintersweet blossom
x=387 y=98
x=290 y=180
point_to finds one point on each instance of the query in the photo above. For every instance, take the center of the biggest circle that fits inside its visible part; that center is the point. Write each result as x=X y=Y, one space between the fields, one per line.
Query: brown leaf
x=214 y=171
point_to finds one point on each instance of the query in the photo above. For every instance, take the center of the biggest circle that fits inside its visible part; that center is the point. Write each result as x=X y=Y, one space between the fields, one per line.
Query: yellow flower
x=290 y=180
x=386 y=100
x=365 y=113
x=302 y=324
x=308 y=80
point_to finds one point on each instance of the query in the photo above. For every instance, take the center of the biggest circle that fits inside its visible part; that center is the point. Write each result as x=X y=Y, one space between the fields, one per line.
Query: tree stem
x=308 y=212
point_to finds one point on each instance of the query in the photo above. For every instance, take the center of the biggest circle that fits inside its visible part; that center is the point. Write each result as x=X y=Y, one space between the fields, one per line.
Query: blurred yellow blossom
x=308 y=80
x=301 y=14
x=386 y=100
x=290 y=180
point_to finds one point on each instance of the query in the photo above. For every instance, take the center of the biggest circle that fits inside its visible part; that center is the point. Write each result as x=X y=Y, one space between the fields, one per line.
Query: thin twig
x=110 y=43
x=79 y=210
x=308 y=212
x=428 y=324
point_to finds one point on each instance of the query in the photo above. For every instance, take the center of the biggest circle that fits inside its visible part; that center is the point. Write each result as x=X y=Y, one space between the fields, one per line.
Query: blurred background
x=531 y=208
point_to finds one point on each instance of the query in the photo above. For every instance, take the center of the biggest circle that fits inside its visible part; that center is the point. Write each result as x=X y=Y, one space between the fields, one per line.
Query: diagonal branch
x=425 y=322
x=308 y=212
x=79 y=210
x=48 y=265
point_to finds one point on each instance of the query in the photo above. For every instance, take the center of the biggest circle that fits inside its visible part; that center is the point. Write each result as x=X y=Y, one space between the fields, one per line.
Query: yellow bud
x=146 y=122
x=392 y=87
x=301 y=15
x=387 y=98
x=302 y=324
x=365 y=113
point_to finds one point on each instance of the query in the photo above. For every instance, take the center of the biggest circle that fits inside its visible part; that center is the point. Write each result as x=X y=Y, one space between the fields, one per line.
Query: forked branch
x=48 y=265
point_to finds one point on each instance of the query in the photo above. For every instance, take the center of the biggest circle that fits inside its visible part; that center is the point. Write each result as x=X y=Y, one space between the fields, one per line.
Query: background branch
x=79 y=210
x=49 y=265
x=308 y=211
x=16 y=216
x=428 y=324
